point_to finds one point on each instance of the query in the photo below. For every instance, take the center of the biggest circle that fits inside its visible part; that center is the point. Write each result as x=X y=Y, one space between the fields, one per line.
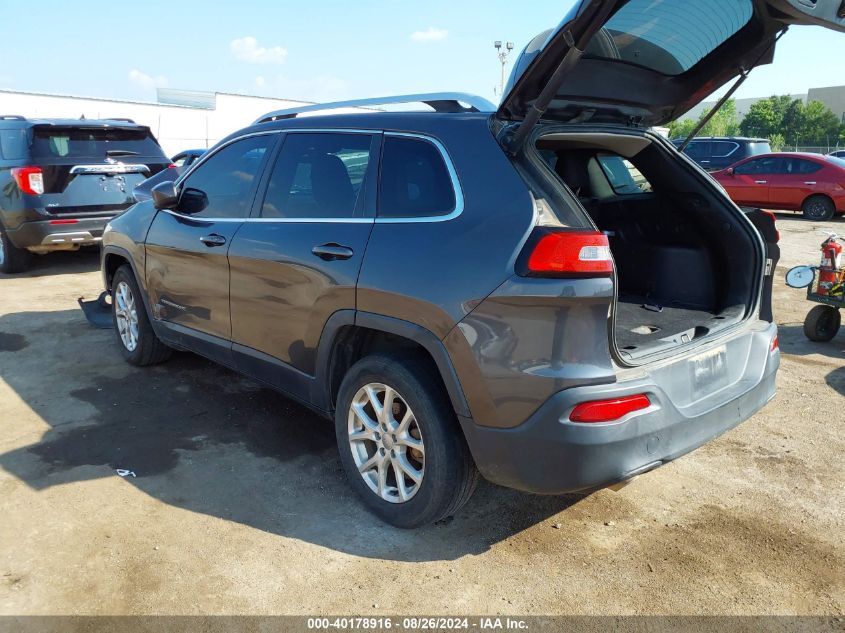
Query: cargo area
x=687 y=264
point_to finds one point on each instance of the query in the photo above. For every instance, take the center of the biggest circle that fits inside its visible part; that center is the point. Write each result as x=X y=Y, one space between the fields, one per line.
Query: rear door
x=297 y=261
x=187 y=266
x=796 y=180
x=93 y=170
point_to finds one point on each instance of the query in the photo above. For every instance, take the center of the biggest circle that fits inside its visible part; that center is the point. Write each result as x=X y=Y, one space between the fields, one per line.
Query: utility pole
x=503 y=52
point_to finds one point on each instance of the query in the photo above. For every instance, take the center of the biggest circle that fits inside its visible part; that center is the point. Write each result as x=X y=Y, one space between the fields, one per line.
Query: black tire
x=148 y=350
x=822 y=324
x=818 y=208
x=449 y=475
x=12 y=259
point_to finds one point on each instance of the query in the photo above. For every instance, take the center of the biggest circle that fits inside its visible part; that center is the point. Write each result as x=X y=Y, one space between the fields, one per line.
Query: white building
x=180 y=119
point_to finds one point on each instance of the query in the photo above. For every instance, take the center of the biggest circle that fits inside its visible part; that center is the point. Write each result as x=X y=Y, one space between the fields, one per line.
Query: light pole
x=503 y=52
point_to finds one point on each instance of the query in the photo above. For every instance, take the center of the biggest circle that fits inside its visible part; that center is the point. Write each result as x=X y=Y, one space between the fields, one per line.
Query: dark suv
x=62 y=180
x=718 y=152
x=548 y=293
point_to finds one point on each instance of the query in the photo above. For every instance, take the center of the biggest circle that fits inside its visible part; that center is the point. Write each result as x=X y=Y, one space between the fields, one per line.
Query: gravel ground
x=238 y=503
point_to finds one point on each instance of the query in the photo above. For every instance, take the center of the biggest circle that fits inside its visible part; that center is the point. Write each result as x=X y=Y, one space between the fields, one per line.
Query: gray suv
x=545 y=293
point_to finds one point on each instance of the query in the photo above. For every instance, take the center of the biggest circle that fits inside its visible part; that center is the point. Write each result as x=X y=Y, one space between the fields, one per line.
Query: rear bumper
x=548 y=454
x=42 y=235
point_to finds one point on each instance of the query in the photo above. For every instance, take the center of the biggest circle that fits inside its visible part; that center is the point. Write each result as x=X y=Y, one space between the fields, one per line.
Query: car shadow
x=793 y=343
x=202 y=438
x=85 y=260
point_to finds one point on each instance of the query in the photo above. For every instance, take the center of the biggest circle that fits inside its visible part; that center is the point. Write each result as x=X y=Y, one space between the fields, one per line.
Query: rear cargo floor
x=637 y=326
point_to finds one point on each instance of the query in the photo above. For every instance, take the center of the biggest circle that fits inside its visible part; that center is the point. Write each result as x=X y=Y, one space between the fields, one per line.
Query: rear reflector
x=775 y=344
x=571 y=253
x=608 y=410
x=29 y=179
x=63 y=221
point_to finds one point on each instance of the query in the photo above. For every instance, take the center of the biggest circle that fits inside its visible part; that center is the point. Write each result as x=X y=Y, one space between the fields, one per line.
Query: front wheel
x=12 y=258
x=818 y=208
x=822 y=324
x=400 y=443
x=136 y=339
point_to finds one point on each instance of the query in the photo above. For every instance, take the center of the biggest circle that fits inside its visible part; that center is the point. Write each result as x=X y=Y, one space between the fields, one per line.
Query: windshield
x=100 y=143
x=669 y=36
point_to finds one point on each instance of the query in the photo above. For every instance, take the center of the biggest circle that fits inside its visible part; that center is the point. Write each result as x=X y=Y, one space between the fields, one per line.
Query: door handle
x=213 y=240
x=811 y=182
x=331 y=252
x=760 y=182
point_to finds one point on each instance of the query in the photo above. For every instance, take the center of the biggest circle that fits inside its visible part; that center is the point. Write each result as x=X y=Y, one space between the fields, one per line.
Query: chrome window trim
x=444 y=154
x=453 y=175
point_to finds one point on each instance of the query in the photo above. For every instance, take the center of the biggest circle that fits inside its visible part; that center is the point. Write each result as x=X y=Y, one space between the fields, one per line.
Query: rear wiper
x=121 y=152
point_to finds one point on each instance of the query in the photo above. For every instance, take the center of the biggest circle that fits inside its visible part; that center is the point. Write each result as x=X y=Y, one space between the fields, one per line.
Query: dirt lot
x=239 y=504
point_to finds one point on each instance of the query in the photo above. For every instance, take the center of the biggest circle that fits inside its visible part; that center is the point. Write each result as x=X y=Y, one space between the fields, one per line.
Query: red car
x=811 y=183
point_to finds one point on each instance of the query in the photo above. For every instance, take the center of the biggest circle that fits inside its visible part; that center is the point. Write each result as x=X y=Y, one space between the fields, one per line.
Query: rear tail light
x=567 y=253
x=775 y=344
x=29 y=179
x=610 y=410
x=774 y=223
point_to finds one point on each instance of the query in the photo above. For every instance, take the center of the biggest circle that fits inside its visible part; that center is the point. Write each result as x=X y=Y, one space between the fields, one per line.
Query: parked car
x=838 y=154
x=718 y=152
x=62 y=180
x=471 y=290
x=178 y=165
x=810 y=183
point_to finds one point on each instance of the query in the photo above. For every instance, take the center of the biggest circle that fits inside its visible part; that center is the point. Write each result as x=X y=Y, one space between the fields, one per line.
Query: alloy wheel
x=386 y=443
x=126 y=315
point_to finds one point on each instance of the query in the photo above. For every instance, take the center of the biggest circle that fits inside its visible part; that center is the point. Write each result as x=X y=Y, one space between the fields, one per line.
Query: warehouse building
x=833 y=97
x=180 y=119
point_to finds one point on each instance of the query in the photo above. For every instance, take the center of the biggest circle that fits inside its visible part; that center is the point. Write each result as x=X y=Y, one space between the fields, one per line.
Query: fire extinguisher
x=829 y=268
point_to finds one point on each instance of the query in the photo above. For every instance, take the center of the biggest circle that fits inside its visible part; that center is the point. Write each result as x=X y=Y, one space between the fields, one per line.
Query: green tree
x=681 y=128
x=820 y=126
x=723 y=123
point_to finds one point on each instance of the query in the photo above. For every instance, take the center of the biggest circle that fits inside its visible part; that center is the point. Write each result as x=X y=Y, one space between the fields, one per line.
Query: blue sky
x=313 y=49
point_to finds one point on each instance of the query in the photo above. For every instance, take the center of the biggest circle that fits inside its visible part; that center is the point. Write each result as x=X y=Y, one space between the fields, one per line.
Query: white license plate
x=708 y=372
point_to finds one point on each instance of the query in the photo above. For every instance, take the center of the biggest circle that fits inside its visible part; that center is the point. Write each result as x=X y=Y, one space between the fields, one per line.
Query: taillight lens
x=29 y=179
x=774 y=223
x=597 y=411
x=569 y=253
x=775 y=344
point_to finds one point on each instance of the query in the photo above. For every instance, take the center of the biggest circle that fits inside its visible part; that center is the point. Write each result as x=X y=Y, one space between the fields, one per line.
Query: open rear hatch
x=688 y=264
x=646 y=62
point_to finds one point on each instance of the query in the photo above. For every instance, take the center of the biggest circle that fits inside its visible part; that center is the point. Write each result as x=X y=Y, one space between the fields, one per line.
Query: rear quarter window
x=415 y=181
x=13 y=144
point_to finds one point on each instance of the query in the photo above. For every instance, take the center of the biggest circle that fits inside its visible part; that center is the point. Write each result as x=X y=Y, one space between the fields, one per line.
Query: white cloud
x=431 y=34
x=260 y=82
x=146 y=81
x=246 y=49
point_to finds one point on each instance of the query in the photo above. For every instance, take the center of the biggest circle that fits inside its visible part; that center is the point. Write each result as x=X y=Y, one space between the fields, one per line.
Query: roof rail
x=117 y=118
x=12 y=117
x=439 y=101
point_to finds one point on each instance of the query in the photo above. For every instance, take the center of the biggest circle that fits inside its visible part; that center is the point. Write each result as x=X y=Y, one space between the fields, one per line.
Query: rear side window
x=799 y=166
x=415 y=181
x=319 y=176
x=698 y=149
x=13 y=144
x=624 y=178
x=723 y=149
x=51 y=142
x=669 y=36
x=221 y=186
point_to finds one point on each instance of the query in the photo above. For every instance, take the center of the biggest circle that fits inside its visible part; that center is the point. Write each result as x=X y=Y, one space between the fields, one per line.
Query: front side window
x=222 y=186
x=698 y=149
x=768 y=165
x=319 y=175
x=415 y=181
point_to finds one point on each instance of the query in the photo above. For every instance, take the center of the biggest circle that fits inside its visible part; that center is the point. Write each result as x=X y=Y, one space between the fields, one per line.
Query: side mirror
x=165 y=195
x=800 y=276
x=729 y=171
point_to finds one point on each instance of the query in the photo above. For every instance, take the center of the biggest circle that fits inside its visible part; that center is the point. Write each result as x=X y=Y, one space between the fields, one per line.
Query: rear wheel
x=136 y=339
x=818 y=208
x=822 y=324
x=12 y=258
x=400 y=443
